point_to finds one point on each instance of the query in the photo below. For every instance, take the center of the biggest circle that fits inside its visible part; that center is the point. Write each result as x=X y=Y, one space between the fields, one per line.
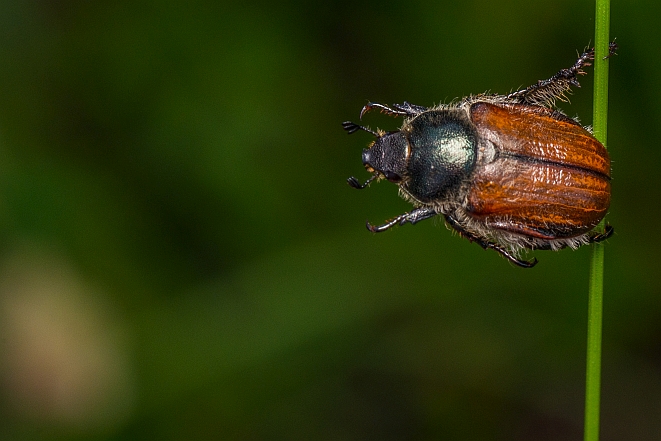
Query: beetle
x=509 y=172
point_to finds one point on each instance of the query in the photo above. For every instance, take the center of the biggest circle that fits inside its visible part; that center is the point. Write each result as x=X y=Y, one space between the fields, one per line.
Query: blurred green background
x=182 y=258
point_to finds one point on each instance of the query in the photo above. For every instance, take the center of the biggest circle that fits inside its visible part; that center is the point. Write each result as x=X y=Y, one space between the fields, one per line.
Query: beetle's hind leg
x=596 y=237
x=592 y=237
x=488 y=244
x=545 y=92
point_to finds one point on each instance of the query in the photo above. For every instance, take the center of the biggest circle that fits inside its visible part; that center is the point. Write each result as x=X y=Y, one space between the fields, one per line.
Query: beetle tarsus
x=417 y=215
x=388 y=225
x=526 y=263
x=382 y=108
x=514 y=260
x=412 y=217
x=596 y=237
x=505 y=253
x=488 y=244
x=410 y=109
x=404 y=109
x=381 y=228
x=546 y=92
x=612 y=47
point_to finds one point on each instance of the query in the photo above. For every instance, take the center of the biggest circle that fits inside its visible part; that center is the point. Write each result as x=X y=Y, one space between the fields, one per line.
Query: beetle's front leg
x=545 y=92
x=412 y=217
x=405 y=109
x=488 y=245
x=410 y=109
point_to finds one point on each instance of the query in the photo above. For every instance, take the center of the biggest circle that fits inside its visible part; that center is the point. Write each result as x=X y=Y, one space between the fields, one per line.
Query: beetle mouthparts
x=366 y=108
x=367 y=157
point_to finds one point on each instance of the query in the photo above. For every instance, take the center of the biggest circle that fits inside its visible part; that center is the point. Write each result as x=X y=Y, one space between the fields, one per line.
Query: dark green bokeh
x=181 y=169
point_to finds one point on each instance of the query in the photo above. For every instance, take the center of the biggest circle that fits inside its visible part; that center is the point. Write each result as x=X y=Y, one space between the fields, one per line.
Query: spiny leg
x=593 y=237
x=545 y=92
x=412 y=217
x=596 y=237
x=487 y=244
x=405 y=109
x=410 y=109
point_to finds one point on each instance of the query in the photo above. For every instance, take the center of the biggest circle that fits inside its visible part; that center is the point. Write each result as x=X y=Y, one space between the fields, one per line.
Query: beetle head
x=387 y=156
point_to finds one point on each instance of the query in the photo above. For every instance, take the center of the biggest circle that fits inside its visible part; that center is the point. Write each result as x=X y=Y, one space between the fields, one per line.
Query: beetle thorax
x=443 y=151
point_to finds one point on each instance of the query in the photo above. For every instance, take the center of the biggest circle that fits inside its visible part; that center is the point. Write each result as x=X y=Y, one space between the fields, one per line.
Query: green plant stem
x=595 y=302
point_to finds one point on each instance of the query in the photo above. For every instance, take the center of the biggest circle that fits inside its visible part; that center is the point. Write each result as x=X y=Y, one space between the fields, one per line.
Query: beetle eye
x=392 y=177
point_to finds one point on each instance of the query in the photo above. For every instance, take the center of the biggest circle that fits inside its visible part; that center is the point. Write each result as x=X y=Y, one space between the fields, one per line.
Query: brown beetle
x=510 y=172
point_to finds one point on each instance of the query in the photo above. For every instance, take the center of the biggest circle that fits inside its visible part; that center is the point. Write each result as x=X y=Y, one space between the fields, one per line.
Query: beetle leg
x=545 y=92
x=593 y=237
x=405 y=109
x=596 y=237
x=488 y=245
x=382 y=108
x=410 y=109
x=351 y=127
x=412 y=217
x=417 y=215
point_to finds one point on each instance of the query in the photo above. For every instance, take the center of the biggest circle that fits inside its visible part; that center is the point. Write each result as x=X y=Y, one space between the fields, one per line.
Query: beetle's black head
x=387 y=156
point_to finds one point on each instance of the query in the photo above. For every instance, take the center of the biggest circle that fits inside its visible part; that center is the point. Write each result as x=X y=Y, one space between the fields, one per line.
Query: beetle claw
x=380 y=228
x=525 y=263
x=366 y=108
x=505 y=253
x=600 y=237
x=405 y=110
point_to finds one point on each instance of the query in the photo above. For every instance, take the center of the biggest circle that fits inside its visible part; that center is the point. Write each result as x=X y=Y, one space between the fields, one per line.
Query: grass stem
x=596 y=286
